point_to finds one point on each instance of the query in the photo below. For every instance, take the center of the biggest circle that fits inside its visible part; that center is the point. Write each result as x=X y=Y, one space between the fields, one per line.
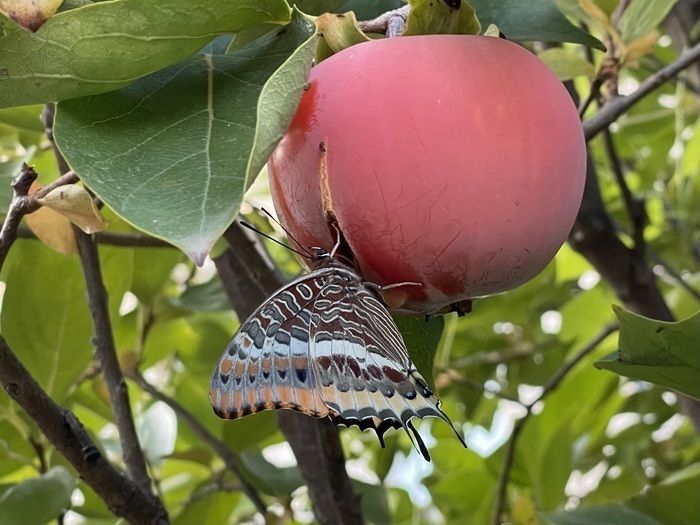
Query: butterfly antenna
x=286 y=231
x=251 y=227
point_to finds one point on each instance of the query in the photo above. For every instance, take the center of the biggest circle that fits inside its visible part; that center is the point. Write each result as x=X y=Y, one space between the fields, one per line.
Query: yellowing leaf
x=452 y=18
x=30 y=14
x=336 y=32
x=492 y=30
x=76 y=204
x=640 y=47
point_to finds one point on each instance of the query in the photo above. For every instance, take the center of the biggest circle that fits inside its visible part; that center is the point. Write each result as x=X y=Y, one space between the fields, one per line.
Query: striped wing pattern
x=326 y=346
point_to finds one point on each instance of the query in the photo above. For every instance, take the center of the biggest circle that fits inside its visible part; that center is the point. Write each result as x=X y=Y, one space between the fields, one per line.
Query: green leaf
x=603 y=514
x=205 y=297
x=38 y=500
x=174 y=152
x=657 y=351
x=317 y=7
x=534 y=20
x=422 y=338
x=45 y=317
x=566 y=64
x=209 y=509
x=641 y=16
x=249 y=432
x=107 y=45
x=268 y=478
x=430 y=17
x=674 y=500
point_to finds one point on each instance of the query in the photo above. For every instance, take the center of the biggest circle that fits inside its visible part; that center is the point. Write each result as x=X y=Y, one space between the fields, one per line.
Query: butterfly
x=325 y=345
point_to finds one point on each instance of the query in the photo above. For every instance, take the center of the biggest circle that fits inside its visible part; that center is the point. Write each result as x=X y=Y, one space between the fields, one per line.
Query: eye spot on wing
x=224 y=378
x=301 y=374
x=282 y=373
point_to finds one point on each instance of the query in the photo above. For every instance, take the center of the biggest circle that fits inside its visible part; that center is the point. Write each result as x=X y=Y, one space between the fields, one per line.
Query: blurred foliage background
x=599 y=448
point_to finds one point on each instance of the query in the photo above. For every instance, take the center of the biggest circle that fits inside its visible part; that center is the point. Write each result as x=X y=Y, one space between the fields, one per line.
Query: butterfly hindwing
x=266 y=364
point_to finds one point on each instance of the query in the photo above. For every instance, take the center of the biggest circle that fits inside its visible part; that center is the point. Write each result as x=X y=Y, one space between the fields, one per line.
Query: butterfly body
x=326 y=346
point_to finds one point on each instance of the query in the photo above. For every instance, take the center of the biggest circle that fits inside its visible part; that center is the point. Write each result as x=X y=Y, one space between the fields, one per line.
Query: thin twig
x=548 y=388
x=675 y=276
x=106 y=354
x=8 y=234
x=66 y=433
x=230 y=459
x=23 y=203
x=390 y=23
x=453 y=377
x=127 y=240
x=635 y=207
x=619 y=105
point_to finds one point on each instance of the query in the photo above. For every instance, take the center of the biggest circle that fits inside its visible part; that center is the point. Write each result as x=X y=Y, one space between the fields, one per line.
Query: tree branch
x=230 y=459
x=127 y=240
x=549 y=387
x=106 y=355
x=249 y=277
x=619 y=105
x=635 y=207
x=391 y=23
x=67 y=434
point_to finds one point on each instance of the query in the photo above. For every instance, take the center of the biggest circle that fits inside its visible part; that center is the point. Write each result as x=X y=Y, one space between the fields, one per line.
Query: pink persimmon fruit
x=454 y=161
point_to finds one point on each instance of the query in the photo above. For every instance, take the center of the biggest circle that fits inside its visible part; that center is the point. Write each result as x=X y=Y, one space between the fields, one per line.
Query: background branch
x=550 y=386
x=619 y=105
x=230 y=459
x=249 y=278
x=126 y=240
x=67 y=434
x=106 y=354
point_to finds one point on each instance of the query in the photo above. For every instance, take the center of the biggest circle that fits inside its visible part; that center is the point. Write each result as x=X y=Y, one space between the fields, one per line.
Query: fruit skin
x=454 y=161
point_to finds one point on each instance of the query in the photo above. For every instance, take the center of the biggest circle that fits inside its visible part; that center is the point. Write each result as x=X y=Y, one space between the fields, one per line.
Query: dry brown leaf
x=30 y=14
x=53 y=229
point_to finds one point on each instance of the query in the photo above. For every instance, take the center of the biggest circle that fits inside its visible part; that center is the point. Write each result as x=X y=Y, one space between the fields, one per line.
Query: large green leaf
x=45 y=317
x=174 y=152
x=603 y=514
x=641 y=16
x=660 y=352
x=533 y=20
x=107 y=45
x=422 y=338
x=674 y=500
x=37 y=500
